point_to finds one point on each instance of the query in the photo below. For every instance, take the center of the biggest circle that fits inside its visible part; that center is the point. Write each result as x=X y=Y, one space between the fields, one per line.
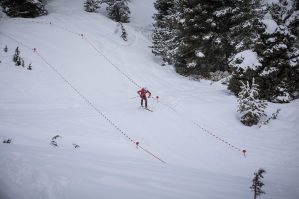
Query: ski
x=148 y=109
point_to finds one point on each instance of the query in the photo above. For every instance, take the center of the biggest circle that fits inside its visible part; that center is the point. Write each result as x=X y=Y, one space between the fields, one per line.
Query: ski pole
x=133 y=97
x=156 y=98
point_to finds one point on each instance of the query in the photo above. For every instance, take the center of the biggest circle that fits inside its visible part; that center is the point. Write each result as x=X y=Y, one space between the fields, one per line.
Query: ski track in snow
x=37 y=105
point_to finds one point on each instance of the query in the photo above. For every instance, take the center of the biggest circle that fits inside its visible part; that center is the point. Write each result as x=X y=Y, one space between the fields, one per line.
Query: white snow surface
x=271 y=25
x=39 y=104
x=249 y=59
x=198 y=53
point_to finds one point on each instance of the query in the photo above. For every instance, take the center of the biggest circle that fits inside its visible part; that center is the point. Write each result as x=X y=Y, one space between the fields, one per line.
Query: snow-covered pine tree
x=279 y=54
x=91 y=5
x=23 y=8
x=204 y=45
x=163 y=36
x=246 y=23
x=257 y=184
x=245 y=32
x=118 y=10
x=251 y=108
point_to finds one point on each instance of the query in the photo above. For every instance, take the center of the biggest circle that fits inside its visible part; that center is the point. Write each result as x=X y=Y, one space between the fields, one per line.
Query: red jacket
x=142 y=93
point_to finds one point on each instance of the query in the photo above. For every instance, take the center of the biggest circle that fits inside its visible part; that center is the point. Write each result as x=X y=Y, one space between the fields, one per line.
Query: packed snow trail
x=35 y=106
x=137 y=85
x=87 y=100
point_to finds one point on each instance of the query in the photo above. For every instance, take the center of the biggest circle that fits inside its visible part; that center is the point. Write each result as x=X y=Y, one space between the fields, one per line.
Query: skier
x=142 y=93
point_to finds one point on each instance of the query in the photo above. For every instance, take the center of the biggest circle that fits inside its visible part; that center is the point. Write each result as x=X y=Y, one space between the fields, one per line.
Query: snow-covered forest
x=222 y=81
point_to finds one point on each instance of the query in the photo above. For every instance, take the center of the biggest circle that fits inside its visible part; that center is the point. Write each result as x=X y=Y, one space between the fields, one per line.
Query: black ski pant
x=145 y=99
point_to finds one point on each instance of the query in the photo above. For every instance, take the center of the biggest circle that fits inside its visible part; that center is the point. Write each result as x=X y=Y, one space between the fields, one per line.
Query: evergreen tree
x=257 y=184
x=163 y=36
x=23 y=8
x=250 y=107
x=277 y=49
x=246 y=24
x=245 y=32
x=279 y=54
x=200 y=37
x=204 y=44
x=118 y=10
x=91 y=5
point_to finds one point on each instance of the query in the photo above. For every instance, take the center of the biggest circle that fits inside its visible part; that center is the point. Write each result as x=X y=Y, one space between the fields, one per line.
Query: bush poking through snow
x=273 y=117
x=19 y=61
x=8 y=141
x=5 y=49
x=53 y=141
x=55 y=137
x=23 y=63
x=76 y=146
x=257 y=184
x=251 y=108
x=124 y=34
x=29 y=67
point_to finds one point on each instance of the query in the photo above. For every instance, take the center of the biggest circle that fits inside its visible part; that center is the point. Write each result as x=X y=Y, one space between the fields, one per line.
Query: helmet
x=145 y=88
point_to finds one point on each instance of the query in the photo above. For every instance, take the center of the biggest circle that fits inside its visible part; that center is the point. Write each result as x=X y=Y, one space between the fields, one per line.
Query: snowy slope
x=203 y=160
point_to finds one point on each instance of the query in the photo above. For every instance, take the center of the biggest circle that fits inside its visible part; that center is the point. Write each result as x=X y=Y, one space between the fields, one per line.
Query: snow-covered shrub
x=23 y=63
x=19 y=61
x=250 y=107
x=29 y=67
x=273 y=117
x=91 y=5
x=54 y=140
x=23 y=8
x=54 y=143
